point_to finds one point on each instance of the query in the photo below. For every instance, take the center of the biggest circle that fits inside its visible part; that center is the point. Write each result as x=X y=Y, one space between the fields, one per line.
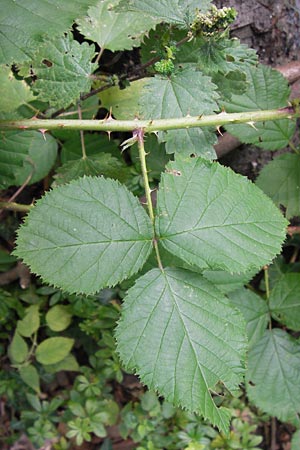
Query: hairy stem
x=139 y=134
x=81 y=133
x=148 y=126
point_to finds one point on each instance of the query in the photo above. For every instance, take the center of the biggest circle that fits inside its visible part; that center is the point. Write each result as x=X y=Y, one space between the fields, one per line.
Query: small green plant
x=187 y=325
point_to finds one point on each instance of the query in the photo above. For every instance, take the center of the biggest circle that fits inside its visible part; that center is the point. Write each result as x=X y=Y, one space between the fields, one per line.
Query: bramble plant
x=187 y=323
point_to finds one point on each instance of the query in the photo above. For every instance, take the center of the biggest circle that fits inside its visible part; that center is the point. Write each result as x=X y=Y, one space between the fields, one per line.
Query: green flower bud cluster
x=213 y=21
x=166 y=66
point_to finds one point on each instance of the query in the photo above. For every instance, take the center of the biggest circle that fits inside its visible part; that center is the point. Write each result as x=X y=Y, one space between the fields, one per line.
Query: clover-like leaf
x=63 y=67
x=24 y=23
x=267 y=89
x=184 y=92
x=280 y=180
x=114 y=30
x=274 y=377
x=86 y=235
x=211 y=217
x=180 y=334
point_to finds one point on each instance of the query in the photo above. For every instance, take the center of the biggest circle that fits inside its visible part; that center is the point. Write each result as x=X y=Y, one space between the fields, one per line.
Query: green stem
x=139 y=135
x=148 y=126
x=293 y=147
x=11 y=206
x=81 y=133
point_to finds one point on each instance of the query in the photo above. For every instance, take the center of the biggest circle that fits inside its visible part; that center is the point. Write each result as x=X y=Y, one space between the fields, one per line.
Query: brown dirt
x=273 y=29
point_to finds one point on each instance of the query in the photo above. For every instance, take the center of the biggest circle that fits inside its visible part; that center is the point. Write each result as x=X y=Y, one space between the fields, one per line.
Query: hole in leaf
x=47 y=63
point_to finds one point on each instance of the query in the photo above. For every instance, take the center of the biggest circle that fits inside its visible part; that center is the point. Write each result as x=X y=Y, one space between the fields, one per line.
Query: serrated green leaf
x=274 y=377
x=30 y=322
x=182 y=337
x=156 y=156
x=62 y=68
x=284 y=301
x=267 y=89
x=53 y=350
x=296 y=440
x=255 y=311
x=24 y=154
x=59 y=317
x=184 y=92
x=30 y=376
x=102 y=164
x=234 y=82
x=216 y=55
x=86 y=235
x=113 y=30
x=18 y=349
x=124 y=103
x=13 y=92
x=228 y=282
x=179 y=12
x=94 y=144
x=213 y=218
x=23 y=23
x=280 y=180
x=69 y=363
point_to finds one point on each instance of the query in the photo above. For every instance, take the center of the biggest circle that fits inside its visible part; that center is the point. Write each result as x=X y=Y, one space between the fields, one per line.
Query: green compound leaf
x=124 y=103
x=216 y=55
x=18 y=349
x=114 y=30
x=63 y=68
x=53 y=350
x=268 y=89
x=13 y=93
x=86 y=235
x=184 y=92
x=296 y=440
x=23 y=23
x=285 y=301
x=103 y=164
x=69 y=363
x=25 y=154
x=182 y=337
x=274 y=377
x=280 y=180
x=213 y=218
x=179 y=12
x=59 y=317
x=228 y=282
x=94 y=145
x=30 y=322
x=30 y=376
x=255 y=311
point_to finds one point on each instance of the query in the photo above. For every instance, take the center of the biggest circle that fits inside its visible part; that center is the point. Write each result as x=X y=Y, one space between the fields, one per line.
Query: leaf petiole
x=138 y=134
